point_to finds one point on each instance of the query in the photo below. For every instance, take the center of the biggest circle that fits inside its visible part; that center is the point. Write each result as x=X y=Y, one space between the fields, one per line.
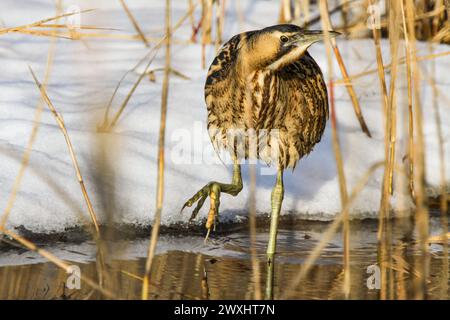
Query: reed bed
x=403 y=23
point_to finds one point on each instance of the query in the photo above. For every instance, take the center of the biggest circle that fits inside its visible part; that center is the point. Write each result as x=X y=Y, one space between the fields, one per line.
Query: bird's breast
x=261 y=98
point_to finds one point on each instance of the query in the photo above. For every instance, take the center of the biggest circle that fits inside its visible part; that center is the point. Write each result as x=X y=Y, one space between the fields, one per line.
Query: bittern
x=265 y=81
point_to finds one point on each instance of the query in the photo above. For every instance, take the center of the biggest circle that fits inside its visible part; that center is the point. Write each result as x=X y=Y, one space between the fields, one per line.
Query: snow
x=119 y=168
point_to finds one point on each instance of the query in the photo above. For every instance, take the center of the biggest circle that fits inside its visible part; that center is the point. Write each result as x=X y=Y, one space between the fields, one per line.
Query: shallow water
x=187 y=268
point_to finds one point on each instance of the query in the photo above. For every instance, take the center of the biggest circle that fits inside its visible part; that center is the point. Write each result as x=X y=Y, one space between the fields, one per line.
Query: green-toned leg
x=213 y=190
x=277 y=199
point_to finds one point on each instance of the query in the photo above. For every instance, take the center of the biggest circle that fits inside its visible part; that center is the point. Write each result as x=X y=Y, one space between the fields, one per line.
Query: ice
x=119 y=168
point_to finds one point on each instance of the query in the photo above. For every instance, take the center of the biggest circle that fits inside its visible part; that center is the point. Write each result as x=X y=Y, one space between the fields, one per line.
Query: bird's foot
x=212 y=190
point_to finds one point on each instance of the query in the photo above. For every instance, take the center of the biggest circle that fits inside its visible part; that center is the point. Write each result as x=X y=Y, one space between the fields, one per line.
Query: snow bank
x=120 y=168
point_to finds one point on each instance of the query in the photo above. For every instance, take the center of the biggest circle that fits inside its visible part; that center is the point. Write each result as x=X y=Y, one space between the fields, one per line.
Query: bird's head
x=277 y=46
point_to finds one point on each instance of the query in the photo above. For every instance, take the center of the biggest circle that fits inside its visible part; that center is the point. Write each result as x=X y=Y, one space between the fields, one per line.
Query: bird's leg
x=277 y=199
x=213 y=190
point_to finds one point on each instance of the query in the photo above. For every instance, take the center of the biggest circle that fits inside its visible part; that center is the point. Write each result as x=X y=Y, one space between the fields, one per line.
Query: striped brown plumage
x=264 y=93
x=251 y=85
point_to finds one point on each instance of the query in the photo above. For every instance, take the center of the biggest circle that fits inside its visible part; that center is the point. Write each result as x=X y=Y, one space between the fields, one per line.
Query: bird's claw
x=200 y=196
x=213 y=191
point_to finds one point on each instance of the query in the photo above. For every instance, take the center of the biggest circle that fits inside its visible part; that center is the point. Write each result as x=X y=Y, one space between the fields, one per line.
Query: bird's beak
x=308 y=37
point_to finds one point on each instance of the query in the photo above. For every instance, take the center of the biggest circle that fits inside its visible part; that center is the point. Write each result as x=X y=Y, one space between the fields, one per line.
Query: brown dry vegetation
x=404 y=20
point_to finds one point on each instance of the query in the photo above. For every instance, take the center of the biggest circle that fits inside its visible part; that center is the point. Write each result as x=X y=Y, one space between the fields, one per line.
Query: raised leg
x=213 y=190
x=277 y=200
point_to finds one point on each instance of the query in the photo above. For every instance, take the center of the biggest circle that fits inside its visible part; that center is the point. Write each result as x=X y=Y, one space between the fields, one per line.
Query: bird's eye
x=284 y=39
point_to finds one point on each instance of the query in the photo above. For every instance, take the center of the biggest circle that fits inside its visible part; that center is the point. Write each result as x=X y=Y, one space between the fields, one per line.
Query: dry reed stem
x=337 y=149
x=419 y=18
x=327 y=25
x=419 y=160
x=438 y=4
x=207 y=10
x=173 y=71
x=40 y=22
x=297 y=10
x=302 y=8
x=132 y=275
x=195 y=31
x=82 y=27
x=309 y=21
x=285 y=11
x=420 y=9
x=327 y=236
x=440 y=137
x=402 y=266
x=62 y=126
x=385 y=229
x=220 y=19
x=252 y=223
x=443 y=185
x=135 y=23
x=191 y=16
x=443 y=35
x=130 y=94
x=206 y=27
x=78 y=35
x=74 y=34
x=55 y=260
x=306 y=10
x=391 y=115
x=394 y=30
x=410 y=104
x=382 y=78
x=442 y=238
x=160 y=173
x=105 y=125
x=392 y=106
x=47 y=34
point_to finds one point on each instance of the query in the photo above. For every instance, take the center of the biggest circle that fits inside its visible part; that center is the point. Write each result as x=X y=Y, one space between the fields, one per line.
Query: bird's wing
x=219 y=93
x=223 y=62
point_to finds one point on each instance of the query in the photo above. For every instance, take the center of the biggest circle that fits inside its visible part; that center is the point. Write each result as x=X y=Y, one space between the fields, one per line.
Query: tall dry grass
x=331 y=45
x=161 y=161
x=402 y=25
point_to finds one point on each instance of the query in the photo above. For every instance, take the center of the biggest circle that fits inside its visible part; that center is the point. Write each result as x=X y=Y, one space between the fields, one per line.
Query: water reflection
x=186 y=268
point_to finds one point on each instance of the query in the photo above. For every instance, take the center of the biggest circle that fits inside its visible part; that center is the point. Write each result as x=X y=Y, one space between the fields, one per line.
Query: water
x=187 y=268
